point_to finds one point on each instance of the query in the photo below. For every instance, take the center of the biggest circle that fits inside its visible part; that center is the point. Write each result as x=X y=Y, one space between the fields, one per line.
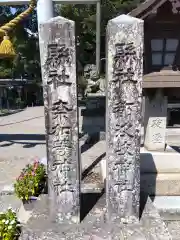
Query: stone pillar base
x=94 y=226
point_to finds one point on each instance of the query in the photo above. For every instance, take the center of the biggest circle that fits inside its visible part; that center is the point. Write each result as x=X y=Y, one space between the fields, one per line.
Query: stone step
x=153 y=184
x=160 y=162
x=160 y=173
x=155 y=162
x=161 y=184
x=168 y=207
x=94 y=225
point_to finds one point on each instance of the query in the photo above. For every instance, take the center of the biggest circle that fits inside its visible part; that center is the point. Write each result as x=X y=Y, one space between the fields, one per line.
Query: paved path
x=22 y=139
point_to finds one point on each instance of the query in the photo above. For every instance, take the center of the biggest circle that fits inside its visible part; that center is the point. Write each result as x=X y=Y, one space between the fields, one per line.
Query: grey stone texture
x=58 y=60
x=155 y=122
x=95 y=226
x=161 y=184
x=174 y=229
x=123 y=120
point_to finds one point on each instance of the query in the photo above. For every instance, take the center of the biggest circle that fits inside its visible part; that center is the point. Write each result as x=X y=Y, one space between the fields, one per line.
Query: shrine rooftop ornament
x=6 y=46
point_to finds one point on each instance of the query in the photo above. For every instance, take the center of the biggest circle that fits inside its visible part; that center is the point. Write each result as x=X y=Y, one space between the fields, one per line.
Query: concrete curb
x=168 y=207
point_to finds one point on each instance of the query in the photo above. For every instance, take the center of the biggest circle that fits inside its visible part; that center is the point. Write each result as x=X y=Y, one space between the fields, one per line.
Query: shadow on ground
x=176 y=148
x=10 y=139
x=88 y=201
x=26 y=137
x=147 y=180
x=147 y=187
x=90 y=141
x=90 y=168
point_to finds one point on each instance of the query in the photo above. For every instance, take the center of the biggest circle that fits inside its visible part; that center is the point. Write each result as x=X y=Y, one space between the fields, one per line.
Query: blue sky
x=13 y=10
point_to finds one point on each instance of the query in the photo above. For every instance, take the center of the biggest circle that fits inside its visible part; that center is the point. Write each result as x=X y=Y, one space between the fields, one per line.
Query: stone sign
x=57 y=46
x=124 y=93
x=123 y=121
x=155 y=122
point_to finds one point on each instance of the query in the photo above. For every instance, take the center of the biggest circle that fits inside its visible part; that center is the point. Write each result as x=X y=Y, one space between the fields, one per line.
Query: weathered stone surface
x=174 y=229
x=155 y=122
x=57 y=48
x=95 y=226
x=168 y=207
x=123 y=121
x=125 y=39
x=162 y=184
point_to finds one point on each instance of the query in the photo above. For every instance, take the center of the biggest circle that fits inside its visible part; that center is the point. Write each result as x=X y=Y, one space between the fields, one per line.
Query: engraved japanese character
x=156 y=123
x=157 y=138
x=57 y=64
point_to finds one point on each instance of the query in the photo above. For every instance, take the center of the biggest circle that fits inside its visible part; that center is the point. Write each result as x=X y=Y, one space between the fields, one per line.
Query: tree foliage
x=27 y=62
x=85 y=19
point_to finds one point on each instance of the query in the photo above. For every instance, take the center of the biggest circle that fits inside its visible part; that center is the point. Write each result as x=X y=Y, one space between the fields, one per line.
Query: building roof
x=148 y=7
x=164 y=79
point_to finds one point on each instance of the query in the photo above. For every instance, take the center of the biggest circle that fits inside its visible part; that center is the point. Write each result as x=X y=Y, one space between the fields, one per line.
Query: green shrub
x=31 y=181
x=9 y=225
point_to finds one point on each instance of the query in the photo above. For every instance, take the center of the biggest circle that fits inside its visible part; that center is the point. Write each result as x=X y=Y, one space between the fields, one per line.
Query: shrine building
x=161 y=54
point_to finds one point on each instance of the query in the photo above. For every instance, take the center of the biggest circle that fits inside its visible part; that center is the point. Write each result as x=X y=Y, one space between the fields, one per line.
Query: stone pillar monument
x=124 y=95
x=57 y=48
x=123 y=121
x=155 y=122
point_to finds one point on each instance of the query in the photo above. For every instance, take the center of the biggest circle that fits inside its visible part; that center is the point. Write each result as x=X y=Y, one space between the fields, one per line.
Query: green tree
x=85 y=19
x=27 y=62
